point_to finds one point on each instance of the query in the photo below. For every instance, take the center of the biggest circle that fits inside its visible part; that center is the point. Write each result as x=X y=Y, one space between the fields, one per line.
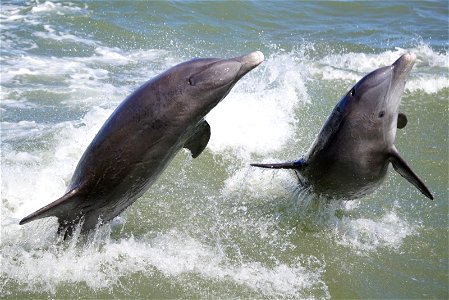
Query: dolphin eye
x=381 y=114
x=353 y=92
x=191 y=81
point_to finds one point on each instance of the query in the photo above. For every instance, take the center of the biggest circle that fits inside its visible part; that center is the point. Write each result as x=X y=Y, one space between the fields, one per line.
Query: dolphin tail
x=401 y=166
x=295 y=165
x=59 y=208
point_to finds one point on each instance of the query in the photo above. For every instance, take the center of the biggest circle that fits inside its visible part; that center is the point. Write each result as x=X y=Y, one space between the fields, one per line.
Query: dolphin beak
x=249 y=62
x=403 y=65
x=401 y=69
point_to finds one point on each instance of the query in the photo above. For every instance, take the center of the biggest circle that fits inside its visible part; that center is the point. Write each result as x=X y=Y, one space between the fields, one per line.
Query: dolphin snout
x=250 y=61
x=253 y=58
x=409 y=57
x=404 y=64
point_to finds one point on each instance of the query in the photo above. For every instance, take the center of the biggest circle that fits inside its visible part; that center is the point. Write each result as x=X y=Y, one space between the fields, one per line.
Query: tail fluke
x=59 y=208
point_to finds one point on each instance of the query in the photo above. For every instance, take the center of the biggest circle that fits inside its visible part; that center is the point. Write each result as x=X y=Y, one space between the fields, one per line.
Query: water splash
x=249 y=221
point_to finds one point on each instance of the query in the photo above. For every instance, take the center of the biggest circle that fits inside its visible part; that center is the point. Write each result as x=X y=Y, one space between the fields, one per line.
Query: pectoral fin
x=401 y=166
x=297 y=165
x=402 y=120
x=198 y=141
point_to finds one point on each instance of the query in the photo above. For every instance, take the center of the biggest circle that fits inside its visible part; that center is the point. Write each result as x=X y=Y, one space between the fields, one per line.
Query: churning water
x=213 y=226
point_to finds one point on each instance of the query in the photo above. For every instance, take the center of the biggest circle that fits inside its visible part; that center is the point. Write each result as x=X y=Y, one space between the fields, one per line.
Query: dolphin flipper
x=402 y=120
x=198 y=141
x=296 y=165
x=401 y=166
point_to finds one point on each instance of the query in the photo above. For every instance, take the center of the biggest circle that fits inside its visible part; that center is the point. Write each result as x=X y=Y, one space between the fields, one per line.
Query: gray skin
x=350 y=156
x=141 y=137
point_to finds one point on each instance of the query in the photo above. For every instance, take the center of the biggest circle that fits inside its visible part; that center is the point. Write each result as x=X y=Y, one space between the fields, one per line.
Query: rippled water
x=213 y=226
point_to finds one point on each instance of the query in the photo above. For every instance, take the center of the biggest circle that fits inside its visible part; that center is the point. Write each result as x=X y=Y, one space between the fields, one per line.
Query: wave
x=60 y=8
x=103 y=266
x=261 y=117
x=340 y=220
x=429 y=74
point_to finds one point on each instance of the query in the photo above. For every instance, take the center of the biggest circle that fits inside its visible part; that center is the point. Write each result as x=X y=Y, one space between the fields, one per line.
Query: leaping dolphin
x=141 y=137
x=350 y=156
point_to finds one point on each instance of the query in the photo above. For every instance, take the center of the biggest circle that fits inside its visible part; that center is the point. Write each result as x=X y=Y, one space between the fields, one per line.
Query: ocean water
x=213 y=227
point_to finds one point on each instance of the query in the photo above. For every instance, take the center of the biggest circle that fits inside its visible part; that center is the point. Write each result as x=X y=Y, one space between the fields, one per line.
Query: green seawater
x=213 y=227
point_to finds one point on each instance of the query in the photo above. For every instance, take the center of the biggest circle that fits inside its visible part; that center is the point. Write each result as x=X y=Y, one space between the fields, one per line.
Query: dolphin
x=141 y=137
x=351 y=154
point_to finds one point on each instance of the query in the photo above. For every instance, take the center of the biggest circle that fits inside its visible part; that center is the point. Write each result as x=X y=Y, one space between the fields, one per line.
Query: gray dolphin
x=141 y=137
x=350 y=156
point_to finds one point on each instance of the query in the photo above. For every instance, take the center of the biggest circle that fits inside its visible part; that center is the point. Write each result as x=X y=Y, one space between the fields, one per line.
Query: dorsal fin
x=58 y=208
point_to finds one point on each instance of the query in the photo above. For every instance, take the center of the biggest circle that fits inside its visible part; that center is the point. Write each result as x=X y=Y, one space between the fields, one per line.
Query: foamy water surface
x=212 y=226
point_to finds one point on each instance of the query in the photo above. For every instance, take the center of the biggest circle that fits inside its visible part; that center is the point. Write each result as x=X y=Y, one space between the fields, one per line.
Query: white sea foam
x=22 y=129
x=47 y=178
x=369 y=234
x=59 y=8
x=9 y=14
x=353 y=66
x=429 y=84
x=257 y=184
x=256 y=119
x=83 y=79
x=101 y=266
x=32 y=11
x=52 y=34
x=363 y=234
